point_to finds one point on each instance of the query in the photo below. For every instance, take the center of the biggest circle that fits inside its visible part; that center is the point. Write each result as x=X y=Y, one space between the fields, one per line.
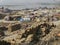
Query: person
x=8 y=18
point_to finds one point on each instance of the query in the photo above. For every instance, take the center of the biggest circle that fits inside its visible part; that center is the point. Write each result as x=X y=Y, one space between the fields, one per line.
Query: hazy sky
x=2 y=2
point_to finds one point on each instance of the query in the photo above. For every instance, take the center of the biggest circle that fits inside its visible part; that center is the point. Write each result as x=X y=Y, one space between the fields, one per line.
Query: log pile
x=33 y=35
